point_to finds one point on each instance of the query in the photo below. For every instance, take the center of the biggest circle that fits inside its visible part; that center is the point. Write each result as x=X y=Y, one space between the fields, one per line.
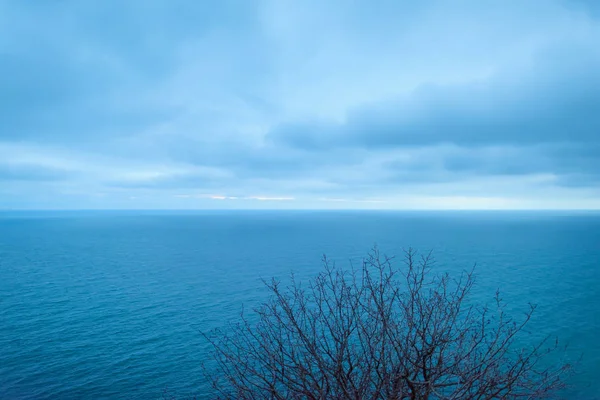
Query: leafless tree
x=380 y=332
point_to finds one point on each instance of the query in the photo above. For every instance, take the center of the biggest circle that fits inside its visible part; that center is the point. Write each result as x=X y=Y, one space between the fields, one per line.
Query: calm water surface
x=109 y=304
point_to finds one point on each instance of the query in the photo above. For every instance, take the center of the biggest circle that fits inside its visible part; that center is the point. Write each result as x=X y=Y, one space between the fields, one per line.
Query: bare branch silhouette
x=380 y=332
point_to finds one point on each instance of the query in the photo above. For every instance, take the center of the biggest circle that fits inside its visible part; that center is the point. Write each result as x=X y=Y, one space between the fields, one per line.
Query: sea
x=112 y=304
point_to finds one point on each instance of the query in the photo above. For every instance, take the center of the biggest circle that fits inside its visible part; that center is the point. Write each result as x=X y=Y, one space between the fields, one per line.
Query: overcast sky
x=300 y=104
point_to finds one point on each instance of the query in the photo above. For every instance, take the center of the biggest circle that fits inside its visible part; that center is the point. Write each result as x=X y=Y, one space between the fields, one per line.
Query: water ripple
x=112 y=307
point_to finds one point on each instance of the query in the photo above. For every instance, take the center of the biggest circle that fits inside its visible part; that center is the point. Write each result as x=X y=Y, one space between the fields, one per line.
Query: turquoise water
x=110 y=304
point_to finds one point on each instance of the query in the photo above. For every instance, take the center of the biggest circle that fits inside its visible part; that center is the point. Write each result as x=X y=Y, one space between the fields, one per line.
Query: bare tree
x=380 y=332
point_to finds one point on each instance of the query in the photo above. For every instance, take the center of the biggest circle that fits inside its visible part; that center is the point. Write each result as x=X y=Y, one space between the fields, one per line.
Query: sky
x=327 y=104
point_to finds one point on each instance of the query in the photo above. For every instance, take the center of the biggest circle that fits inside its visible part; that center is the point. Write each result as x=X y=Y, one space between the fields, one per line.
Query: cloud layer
x=300 y=104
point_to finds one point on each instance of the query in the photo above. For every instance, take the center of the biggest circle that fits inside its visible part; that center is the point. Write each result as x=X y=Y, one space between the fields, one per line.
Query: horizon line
x=3 y=210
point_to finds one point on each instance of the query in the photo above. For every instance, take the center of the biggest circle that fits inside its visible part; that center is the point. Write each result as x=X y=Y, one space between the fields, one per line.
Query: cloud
x=332 y=104
x=266 y=198
x=540 y=106
x=31 y=173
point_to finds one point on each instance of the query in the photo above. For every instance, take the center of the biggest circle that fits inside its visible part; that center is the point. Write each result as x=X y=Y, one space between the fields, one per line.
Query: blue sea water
x=110 y=304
